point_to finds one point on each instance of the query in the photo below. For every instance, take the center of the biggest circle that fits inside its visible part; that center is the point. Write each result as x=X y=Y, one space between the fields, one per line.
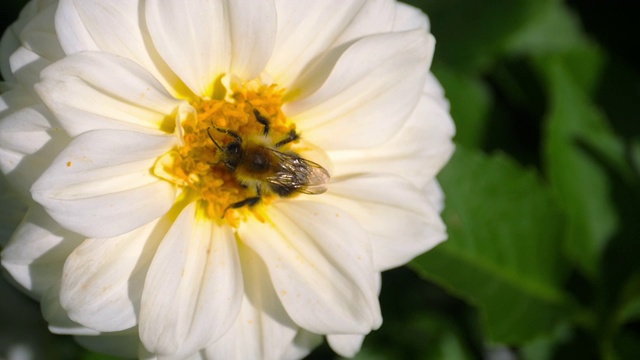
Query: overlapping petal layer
x=91 y=91
x=262 y=330
x=104 y=278
x=116 y=27
x=320 y=264
x=102 y=175
x=361 y=92
x=203 y=287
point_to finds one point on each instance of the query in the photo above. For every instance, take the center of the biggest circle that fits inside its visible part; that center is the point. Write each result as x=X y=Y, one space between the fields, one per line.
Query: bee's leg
x=214 y=140
x=262 y=120
x=228 y=132
x=246 y=202
x=293 y=136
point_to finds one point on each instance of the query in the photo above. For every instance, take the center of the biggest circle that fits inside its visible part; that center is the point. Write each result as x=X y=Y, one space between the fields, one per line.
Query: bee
x=259 y=163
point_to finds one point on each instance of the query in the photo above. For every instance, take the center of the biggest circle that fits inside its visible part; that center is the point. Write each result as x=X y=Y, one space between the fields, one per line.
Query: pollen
x=198 y=166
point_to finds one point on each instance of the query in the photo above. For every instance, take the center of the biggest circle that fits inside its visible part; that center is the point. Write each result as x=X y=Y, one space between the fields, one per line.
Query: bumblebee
x=258 y=163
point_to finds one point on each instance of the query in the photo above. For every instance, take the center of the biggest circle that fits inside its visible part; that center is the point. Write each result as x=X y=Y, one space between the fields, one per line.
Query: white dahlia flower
x=219 y=179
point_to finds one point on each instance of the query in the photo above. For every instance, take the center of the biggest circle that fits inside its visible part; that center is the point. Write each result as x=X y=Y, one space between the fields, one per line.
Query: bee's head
x=230 y=154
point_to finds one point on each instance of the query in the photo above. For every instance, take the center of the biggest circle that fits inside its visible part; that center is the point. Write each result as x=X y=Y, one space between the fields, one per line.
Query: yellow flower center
x=214 y=143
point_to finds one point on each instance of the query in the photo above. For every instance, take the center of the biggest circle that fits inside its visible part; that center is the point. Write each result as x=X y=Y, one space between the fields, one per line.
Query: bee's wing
x=298 y=174
x=317 y=178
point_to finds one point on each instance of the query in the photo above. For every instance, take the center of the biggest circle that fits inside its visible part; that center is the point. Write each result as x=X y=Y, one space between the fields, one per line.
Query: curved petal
x=143 y=354
x=29 y=140
x=103 y=279
x=435 y=92
x=37 y=251
x=302 y=345
x=211 y=38
x=263 y=330
x=8 y=44
x=401 y=224
x=56 y=316
x=26 y=67
x=435 y=194
x=101 y=186
x=115 y=27
x=39 y=35
x=39 y=47
x=368 y=95
x=410 y=18
x=346 y=345
x=253 y=27
x=320 y=264
x=92 y=91
x=417 y=152
x=306 y=29
x=193 y=290
x=374 y=17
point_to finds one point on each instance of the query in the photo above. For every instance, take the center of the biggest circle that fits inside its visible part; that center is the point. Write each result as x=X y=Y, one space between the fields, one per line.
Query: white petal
x=73 y=34
x=253 y=34
x=115 y=27
x=434 y=90
x=302 y=345
x=101 y=186
x=320 y=264
x=263 y=330
x=143 y=354
x=417 y=152
x=193 y=291
x=103 y=278
x=369 y=93
x=306 y=29
x=39 y=35
x=90 y=91
x=122 y=344
x=399 y=218
x=410 y=18
x=374 y=17
x=435 y=194
x=29 y=140
x=8 y=44
x=211 y=38
x=39 y=47
x=26 y=66
x=345 y=345
x=56 y=316
x=37 y=251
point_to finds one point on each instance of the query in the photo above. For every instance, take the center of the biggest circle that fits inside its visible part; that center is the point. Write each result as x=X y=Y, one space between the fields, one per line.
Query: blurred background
x=543 y=194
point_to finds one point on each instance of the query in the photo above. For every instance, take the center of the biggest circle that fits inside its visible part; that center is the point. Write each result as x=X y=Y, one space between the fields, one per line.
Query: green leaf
x=471 y=34
x=629 y=309
x=503 y=250
x=451 y=348
x=553 y=28
x=579 y=183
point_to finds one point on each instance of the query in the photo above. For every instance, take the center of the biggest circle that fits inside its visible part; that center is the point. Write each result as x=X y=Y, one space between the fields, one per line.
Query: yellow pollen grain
x=198 y=166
